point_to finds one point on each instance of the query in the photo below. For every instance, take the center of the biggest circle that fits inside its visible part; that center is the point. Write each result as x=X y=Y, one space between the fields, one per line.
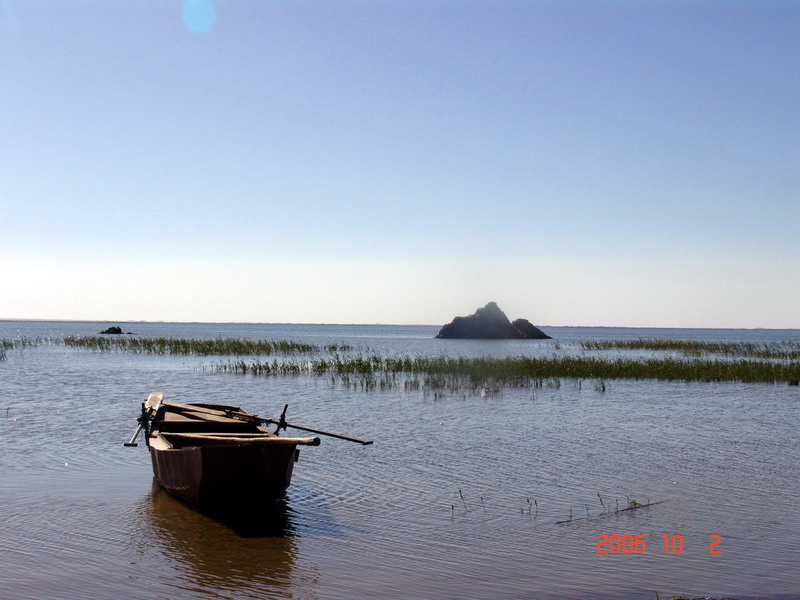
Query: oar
x=152 y=403
x=135 y=435
x=328 y=433
x=282 y=424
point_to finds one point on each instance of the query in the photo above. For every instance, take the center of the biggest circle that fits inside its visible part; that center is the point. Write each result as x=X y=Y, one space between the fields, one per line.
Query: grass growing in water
x=373 y=371
x=198 y=347
x=18 y=343
x=780 y=350
x=457 y=373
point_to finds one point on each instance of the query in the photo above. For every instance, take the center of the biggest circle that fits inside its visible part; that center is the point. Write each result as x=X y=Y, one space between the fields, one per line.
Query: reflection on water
x=249 y=522
x=223 y=551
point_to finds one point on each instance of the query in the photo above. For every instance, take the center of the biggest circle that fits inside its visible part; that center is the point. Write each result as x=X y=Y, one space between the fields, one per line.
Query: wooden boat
x=212 y=454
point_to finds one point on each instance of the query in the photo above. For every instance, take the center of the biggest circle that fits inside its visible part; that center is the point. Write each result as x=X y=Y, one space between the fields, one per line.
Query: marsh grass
x=23 y=342
x=197 y=347
x=776 y=350
x=20 y=343
x=456 y=374
x=734 y=362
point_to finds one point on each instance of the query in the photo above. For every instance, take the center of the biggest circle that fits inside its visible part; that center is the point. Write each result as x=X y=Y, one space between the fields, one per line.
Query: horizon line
x=131 y=321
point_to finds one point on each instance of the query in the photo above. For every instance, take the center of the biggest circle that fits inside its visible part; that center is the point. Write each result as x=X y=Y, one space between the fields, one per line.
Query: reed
x=778 y=350
x=19 y=343
x=458 y=373
x=193 y=346
x=23 y=342
x=632 y=505
x=703 y=362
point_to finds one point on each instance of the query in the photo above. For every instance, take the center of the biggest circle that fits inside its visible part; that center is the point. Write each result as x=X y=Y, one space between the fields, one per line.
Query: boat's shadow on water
x=246 y=520
x=252 y=521
x=279 y=520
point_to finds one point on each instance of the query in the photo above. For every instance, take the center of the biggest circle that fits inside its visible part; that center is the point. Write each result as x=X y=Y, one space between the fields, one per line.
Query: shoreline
x=313 y=324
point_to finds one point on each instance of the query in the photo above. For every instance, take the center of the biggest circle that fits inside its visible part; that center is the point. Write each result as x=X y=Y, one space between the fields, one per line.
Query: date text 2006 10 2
x=637 y=544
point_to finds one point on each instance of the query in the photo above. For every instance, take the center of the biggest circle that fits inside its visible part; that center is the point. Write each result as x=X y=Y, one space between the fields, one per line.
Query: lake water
x=459 y=497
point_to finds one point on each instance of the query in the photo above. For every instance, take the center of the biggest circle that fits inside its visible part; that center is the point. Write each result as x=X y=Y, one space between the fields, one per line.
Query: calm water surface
x=459 y=497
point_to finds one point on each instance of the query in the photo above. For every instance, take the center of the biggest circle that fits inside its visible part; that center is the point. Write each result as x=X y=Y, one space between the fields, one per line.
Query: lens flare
x=198 y=15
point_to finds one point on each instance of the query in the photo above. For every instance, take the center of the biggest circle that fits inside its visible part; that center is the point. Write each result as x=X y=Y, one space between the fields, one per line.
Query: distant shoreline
x=112 y=321
x=106 y=321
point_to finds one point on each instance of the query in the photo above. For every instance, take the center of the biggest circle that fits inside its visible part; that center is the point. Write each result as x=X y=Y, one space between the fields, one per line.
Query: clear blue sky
x=401 y=161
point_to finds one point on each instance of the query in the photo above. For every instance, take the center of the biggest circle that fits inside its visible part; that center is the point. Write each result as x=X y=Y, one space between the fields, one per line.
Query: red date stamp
x=637 y=544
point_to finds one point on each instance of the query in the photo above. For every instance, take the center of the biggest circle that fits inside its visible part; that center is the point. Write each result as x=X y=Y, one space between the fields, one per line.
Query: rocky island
x=491 y=323
x=115 y=331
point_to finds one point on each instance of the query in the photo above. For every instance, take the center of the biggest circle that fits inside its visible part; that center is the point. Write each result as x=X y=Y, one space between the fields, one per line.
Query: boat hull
x=235 y=475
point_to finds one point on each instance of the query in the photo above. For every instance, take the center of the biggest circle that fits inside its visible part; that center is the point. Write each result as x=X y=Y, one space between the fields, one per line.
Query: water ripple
x=458 y=497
